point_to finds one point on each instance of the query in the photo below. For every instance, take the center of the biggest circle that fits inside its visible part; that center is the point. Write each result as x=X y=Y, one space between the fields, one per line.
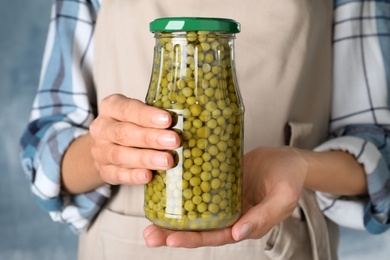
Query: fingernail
x=160 y=119
x=160 y=160
x=244 y=231
x=142 y=176
x=167 y=140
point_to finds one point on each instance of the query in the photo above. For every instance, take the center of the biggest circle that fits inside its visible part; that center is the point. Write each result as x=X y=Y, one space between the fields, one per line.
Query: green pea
x=196 y=123
x=207 y=166
x=195 y=181
x=205 y=186
x=189 y=205
x=188 y=163
x=221 y=121
x=211 y=106
x=187 y=175
x=221 y=157
x=187 y=194
x=192 y=143
x=206 y=197
x=203 y=132
x=206 y=157
x=213 y=150
x=186 y=153
x=192 y=215
x=213 y=208
x=206 y=215
x=202 y=143
x=196 y=152
x=215 y=184
x=205 y=46
x=195 y=109
x=208 y=58
x=206 y=67
x=197 y=199
x=198 y=161
x=222 y=146
x=223 y=175
x=202 y=207
x=190 y=49
x=195 y=169
x=187 y=92
x=209 y=91
x=191 y=102
x=224 y=167
x=197 y=191
x=205 y=176
x=211 y=123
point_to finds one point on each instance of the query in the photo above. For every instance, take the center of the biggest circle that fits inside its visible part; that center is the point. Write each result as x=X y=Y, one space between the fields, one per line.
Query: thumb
x=260 y=219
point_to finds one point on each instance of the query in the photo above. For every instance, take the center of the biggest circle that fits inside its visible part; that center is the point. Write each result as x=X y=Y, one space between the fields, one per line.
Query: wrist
x=78 y=170
x=334 y=172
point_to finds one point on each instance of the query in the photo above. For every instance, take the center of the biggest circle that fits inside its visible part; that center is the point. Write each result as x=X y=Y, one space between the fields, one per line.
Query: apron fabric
x=283 y=61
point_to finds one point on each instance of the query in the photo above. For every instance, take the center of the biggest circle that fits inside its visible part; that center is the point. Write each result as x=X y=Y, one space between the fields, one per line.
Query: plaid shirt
x=65 y=105
x=360 y=122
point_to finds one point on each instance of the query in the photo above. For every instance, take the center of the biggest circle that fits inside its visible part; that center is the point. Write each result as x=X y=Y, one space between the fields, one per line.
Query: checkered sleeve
x=64 y=107
x=360 y=121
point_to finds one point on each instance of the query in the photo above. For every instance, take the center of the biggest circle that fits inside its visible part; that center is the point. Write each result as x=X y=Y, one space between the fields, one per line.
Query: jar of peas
x=194 y=78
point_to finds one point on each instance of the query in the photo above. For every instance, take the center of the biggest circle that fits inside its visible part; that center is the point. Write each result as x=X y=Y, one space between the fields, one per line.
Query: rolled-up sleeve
x=360 y=123
x=63 y=109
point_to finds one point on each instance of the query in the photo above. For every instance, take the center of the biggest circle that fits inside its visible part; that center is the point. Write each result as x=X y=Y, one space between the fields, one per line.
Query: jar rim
x=175 y=24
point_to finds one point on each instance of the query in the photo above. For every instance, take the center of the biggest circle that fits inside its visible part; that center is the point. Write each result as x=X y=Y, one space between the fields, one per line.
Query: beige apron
x=283 y=59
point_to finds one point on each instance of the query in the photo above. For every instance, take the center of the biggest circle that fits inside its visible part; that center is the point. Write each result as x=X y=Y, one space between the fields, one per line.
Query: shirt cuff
x=369 y=213
x=75 y=210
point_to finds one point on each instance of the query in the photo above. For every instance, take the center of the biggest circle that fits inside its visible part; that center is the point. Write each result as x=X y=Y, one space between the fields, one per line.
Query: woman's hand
x=273 y=181
x=129 y=137
x=126 y=141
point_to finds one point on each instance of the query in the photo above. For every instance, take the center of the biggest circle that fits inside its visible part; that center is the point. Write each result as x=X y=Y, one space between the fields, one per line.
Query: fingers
x=155 y=237
x=254 y=224
x=126 y=109
x=200 y=239
x=130 y=157
x=116 y=175
x=131 y=139
x=129 y=134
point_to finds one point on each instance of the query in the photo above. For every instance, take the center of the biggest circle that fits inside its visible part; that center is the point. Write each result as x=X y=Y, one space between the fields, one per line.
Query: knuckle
x=95 y=128
x=124 y=176
x=125 y=107
x=145 y=161
x=116 y=156
x=148 y=138
x=120 y=133
x=109 y=101
x=106 y=101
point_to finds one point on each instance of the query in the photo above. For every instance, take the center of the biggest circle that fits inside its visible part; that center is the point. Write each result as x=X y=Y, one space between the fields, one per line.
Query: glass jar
x=194 y=78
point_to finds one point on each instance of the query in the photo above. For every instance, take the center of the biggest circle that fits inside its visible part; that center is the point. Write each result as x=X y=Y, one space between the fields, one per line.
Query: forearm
x=78 y=171
x=334 y=172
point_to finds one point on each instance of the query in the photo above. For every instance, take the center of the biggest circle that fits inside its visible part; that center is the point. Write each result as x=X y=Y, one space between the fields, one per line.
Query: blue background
x=26 y=232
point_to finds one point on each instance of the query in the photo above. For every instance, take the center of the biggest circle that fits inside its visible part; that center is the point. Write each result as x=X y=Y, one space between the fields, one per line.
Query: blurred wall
x=27 y=233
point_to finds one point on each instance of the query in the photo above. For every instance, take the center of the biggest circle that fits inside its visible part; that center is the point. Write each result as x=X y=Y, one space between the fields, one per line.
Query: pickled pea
x=193 y=77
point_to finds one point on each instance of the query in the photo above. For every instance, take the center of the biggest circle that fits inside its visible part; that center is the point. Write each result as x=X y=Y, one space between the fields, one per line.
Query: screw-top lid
x=175 y=24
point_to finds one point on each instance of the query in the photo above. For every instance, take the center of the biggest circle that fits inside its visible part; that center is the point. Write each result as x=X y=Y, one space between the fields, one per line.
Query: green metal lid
x=175 y=24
